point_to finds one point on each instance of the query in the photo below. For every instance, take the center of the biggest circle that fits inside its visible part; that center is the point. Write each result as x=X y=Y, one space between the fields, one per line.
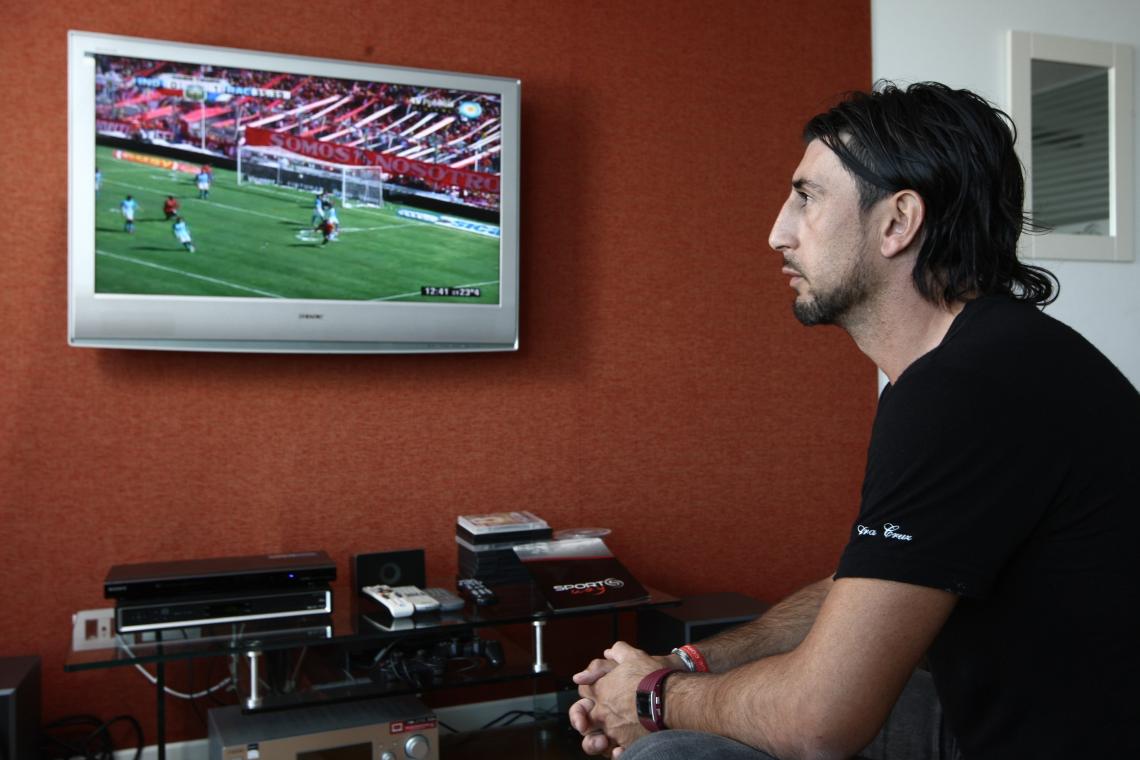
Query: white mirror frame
x=1023 y=48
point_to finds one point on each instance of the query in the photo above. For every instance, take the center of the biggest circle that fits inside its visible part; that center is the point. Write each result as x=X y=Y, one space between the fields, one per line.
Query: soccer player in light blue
x=128 y=208
x=203 y=184
x=182 y=232
x=98 y=182
x=318 y=211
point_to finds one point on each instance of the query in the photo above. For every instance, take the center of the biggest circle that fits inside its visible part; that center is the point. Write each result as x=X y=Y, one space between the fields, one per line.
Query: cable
x=384 y=652
x=514 y=715
x=182 y=695
x=291 y=682
x=173 y=692
x=100 y=734
x=70 y=750
x=138 y=731
x=473 y=662
x=195 y=704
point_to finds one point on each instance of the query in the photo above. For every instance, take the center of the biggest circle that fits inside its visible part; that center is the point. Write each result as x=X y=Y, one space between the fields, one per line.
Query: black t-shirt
x=1003 y=466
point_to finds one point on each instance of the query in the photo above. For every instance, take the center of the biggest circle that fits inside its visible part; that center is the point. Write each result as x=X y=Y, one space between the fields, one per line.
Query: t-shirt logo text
x=890 y=530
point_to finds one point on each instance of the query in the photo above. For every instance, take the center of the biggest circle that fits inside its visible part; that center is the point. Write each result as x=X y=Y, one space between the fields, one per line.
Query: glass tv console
x=349 y=654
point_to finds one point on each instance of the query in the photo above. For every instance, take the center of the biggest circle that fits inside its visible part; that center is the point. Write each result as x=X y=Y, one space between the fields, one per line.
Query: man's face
x=825 y=240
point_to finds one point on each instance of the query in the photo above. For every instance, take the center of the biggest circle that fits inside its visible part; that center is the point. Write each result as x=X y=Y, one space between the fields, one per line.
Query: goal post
x=362 y=186
x=356 y=186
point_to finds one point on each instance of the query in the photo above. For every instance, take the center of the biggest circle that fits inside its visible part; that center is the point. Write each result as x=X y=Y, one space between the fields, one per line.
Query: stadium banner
x=466 y=225
x=115 y=127
x=128 y=128
x=161 y=163
x=307 y=147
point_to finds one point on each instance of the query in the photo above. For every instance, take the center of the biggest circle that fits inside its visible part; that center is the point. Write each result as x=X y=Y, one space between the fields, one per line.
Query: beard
x=835 y=306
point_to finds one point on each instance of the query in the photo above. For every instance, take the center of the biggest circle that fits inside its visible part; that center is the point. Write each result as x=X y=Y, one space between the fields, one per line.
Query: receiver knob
x=417 y=747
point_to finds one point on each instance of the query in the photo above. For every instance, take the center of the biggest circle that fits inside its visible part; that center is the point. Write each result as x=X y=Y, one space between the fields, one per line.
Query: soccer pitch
x=257 y=241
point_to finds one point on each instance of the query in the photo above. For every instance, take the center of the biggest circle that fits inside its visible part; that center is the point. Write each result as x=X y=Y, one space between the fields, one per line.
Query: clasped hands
x=606 y=714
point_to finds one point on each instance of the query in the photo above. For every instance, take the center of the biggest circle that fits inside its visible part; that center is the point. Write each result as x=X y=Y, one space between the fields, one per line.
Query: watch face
x=643 y=704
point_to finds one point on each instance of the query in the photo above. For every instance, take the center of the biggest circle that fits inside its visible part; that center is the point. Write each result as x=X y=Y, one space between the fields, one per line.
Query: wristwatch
x=651 y=699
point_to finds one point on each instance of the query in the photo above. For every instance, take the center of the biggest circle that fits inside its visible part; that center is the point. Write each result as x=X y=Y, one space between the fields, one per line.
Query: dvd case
x=501 y=522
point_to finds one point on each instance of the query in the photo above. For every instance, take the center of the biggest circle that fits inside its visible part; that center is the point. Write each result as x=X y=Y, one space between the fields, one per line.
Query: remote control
x=392 y=599
x=448 y=602
x=474 y=589
x=422 y=602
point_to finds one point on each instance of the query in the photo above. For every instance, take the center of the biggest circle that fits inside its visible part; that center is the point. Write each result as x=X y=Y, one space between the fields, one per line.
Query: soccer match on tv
x=248 y=184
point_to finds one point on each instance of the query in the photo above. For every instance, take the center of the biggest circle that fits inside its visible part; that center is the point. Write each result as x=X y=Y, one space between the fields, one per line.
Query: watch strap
x=651 y=699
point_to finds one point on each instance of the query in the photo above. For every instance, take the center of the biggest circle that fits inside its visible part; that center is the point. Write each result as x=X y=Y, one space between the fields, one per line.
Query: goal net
x=362 y=186
x=356 y=186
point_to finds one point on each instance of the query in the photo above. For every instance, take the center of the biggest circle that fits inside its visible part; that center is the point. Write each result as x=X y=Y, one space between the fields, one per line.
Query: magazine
x=579 y=573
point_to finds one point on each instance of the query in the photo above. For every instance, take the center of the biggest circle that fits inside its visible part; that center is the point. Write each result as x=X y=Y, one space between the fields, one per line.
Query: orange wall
x=663 y=388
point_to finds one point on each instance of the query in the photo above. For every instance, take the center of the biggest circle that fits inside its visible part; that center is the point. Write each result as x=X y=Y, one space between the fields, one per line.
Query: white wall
x=962 y=44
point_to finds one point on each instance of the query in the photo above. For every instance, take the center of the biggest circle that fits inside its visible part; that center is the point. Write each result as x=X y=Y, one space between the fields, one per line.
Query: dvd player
x=189 y=610
x=221 y=575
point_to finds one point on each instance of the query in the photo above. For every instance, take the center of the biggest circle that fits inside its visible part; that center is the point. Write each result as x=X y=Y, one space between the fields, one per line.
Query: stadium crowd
x=421 y=124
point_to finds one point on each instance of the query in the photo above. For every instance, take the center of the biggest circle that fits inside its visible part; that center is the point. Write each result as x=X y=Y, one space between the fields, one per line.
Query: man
x=203 y=180
x=329 y=224
x=182 y=233
x=1001 y=500
x=170 y=207
x=318 y=217
x=128 y=208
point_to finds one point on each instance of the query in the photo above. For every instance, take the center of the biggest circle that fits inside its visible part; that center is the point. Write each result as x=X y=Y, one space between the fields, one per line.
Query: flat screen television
x=233 y=200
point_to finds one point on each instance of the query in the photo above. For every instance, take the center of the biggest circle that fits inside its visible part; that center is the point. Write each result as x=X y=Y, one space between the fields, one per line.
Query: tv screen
x=224 y=199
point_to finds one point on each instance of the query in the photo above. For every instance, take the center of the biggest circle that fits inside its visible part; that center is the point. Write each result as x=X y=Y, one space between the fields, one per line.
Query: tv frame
x=212 y=323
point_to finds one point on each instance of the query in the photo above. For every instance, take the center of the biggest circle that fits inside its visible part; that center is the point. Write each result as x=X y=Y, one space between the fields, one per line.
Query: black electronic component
x=194 y=610
x=20 y=698
x=294 y=570
x=403 y=567
x=695 y=618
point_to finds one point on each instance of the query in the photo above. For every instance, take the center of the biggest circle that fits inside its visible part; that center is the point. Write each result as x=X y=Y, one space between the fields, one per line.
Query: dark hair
x=955 y=150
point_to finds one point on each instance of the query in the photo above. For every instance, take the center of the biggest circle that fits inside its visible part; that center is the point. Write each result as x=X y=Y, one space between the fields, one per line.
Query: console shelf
x=345 y=651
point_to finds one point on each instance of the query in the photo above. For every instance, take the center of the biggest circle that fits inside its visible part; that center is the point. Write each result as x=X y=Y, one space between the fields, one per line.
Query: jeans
x=914 y=731
x=690 y=745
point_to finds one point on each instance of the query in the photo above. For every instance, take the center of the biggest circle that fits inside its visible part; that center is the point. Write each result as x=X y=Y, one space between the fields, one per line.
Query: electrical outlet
x=93 y=629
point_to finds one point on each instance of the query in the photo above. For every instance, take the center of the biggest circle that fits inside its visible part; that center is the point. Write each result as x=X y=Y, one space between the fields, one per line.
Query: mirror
x=1072 y=103
x=1070 y=146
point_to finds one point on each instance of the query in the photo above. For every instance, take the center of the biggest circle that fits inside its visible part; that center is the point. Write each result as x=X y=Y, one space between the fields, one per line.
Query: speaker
x=661 y=629
x=20 y=708
x=404 y=567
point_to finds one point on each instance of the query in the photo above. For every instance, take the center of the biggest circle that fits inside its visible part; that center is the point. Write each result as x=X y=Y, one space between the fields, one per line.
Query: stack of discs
x=486 y=545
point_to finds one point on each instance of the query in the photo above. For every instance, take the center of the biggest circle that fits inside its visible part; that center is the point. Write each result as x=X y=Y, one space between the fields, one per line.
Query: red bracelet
x=695 y=655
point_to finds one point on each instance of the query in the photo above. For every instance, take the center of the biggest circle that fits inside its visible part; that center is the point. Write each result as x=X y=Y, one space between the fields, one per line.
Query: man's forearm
x=779 y=630
x=827 y=695
x=730 y=704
